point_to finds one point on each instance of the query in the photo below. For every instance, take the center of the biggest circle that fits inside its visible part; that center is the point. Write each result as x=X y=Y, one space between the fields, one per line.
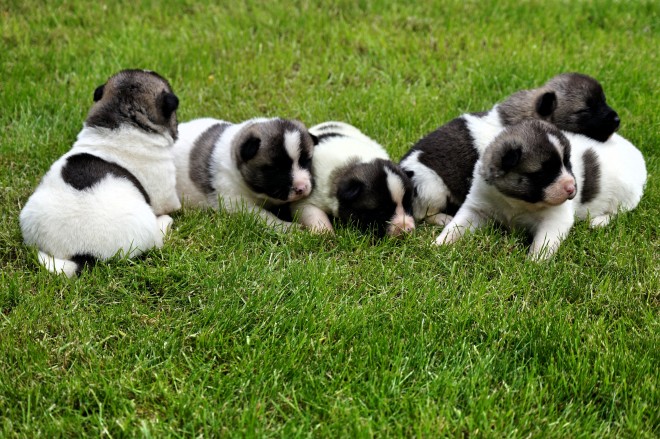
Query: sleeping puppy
x=252 y=165
x=441 y=164
x=355 y=182
x=611 y=176
x=523 y=179
x=112 y=191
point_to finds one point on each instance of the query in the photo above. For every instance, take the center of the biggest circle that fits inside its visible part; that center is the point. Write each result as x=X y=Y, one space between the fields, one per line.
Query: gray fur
x=571 y=101
x=200 y=157
x=128 y=98
x=591 y=177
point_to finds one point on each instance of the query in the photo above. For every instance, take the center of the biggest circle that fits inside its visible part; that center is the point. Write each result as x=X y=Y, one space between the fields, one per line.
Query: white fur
x=330 y=155
x=622 y=177
x=228 y=183
x=433 y=194
x=111 y=216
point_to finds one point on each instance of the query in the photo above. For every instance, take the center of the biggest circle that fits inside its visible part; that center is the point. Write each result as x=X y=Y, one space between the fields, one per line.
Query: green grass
x=235 y=330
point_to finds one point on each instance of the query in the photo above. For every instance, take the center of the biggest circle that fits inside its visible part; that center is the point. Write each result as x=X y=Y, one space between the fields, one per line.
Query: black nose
x=616 y=121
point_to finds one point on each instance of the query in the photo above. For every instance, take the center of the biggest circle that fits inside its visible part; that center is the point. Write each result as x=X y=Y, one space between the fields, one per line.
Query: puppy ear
x=169 y=104
x=315 y=139
x=98 y=93
x=249 y=148
x=546 y=104
x=349 y=190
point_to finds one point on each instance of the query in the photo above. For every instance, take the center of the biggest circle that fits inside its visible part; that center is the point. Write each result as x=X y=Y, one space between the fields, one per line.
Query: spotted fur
x=253 y=165
x=112 y=191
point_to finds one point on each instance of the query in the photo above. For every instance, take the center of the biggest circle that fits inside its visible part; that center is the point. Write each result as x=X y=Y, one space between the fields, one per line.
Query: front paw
x=164 y=223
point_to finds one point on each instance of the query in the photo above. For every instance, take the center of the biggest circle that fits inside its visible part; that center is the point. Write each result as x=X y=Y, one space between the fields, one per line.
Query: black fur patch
x=83 y=171
x=449 y=151
x=200 y=157
x=83 y=261
x=322 y=137
x=591 y=182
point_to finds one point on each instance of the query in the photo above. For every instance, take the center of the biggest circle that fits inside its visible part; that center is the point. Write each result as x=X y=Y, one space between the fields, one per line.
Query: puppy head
x=530 y=161
x=375 y=195
x=274 y=158
x=140 y=98
x=575 y=102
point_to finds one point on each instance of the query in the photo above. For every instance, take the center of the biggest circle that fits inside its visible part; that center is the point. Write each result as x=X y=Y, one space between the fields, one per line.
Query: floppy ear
x=349 y=190
x=315 y=139
x=249 y=148
x=546 y=104
x=169 y=104
x=500 y=160
x=98 y=93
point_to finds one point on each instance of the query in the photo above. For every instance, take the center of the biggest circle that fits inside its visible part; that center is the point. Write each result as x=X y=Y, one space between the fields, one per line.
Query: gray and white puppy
x=522 y=179
x=112 y=191
x=355 y=182
x=251 y=165
x=441 y=164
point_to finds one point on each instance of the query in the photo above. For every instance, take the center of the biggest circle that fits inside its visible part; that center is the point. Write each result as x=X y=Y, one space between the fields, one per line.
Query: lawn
x=233 y=329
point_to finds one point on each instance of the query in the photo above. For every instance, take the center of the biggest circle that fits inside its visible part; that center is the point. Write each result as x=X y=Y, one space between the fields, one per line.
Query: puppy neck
x=125 y=135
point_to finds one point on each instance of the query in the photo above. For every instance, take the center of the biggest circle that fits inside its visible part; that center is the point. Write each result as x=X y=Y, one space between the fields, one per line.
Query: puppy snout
x=570 y=189
x=615 y=120
x=300 y=189
x=401 y=225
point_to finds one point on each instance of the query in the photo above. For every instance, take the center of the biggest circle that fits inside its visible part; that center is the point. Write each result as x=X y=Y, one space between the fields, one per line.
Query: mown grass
x=236 y=330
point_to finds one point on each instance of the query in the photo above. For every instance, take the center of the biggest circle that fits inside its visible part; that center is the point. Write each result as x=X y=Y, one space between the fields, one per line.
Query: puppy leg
x=315 y=219
x=466 y=220
x=547 y=239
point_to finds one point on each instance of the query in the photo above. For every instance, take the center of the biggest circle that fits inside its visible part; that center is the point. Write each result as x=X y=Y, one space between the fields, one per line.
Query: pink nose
x=570 y=190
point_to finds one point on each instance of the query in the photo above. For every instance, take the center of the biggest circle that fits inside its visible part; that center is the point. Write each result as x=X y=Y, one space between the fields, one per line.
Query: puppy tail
x=69 y=267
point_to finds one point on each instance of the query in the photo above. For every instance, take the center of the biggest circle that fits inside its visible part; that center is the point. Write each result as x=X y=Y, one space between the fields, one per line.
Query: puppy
x=355 y=182
x=522 y=179
x=441 y=164
x=611 y=177
x=114 y=188
x=257 y=164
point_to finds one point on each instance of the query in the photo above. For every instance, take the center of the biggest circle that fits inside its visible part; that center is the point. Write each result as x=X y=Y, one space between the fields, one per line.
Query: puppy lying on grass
x=355 y=182
x=252 y=165
x=522 y=179
x=441 y=164
x=112 y=191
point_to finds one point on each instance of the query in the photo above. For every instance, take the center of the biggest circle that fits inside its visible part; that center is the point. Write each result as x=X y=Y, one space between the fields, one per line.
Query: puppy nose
x=570 y=190
x=300 y=189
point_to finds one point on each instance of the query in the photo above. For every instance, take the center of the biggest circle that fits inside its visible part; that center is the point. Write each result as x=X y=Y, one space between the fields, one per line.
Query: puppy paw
x=600 y=221
x=164 y=223
x=439 y=219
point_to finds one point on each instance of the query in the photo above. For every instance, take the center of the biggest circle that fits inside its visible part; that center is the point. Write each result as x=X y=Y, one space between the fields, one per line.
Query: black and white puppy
x=611 y=177
x=441 y=164
x=355 y=182
x=112 y=191
x=252 y=165
x=522 y=179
